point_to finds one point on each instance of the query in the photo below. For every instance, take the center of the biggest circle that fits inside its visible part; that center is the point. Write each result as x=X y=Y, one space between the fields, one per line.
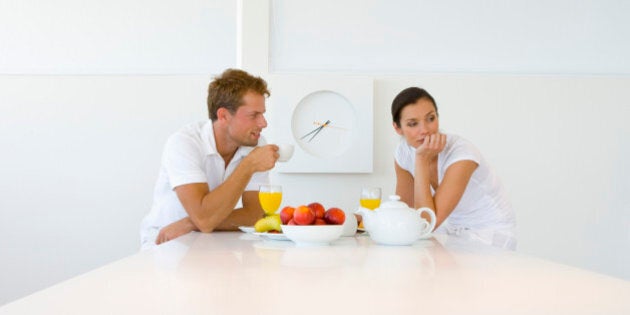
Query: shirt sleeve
x=462 y=150
x=183 y=160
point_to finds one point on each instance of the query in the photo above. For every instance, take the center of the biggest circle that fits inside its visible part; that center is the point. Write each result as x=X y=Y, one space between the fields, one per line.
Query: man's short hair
x=227 y=90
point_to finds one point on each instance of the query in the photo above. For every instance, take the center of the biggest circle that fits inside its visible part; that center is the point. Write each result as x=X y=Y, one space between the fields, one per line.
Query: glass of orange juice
x=370 y=197
x=270 y=197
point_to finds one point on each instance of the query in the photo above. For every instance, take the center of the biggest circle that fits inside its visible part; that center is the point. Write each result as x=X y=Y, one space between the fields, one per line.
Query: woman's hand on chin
x=431 y=146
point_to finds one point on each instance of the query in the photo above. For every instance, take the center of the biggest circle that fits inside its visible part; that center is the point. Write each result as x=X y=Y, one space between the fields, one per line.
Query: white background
x=493 y=36
x=117 y=36
x=540 y=87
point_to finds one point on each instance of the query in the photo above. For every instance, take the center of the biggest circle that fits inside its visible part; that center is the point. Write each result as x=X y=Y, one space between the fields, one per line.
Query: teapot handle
x=431 y=225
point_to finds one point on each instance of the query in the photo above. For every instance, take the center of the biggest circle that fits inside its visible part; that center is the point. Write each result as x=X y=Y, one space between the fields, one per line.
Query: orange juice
x=370 y=203
x=270 y=201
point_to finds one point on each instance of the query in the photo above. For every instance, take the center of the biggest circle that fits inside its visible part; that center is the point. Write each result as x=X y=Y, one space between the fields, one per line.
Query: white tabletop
x=238 y=273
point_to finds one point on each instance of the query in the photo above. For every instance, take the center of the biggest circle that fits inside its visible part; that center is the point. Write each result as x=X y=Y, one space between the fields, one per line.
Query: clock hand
x=319 y=129
x=329 y=125
x=316 y=130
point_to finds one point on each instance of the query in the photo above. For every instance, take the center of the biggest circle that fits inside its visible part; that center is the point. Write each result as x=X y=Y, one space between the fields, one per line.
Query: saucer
x=272 y=236
x=247 y=229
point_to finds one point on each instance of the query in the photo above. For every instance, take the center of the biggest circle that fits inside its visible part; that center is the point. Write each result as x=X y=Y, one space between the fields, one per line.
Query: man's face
x=246 y=124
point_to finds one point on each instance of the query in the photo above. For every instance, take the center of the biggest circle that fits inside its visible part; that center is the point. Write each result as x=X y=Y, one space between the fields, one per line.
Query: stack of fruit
x=313 y=214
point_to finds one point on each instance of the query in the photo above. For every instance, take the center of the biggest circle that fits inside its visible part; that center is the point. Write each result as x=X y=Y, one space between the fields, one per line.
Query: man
x=208 y=166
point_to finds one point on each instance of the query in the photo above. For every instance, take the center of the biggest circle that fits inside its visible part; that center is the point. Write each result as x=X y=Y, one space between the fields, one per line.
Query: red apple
x=318 y=208
x=286 y=214
x=335 y=216
x=303 y=215
x=319 y=221
x=291 y=222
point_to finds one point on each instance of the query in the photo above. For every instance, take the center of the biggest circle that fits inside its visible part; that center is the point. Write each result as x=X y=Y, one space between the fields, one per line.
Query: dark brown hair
x=228 y=89
x=406 y=97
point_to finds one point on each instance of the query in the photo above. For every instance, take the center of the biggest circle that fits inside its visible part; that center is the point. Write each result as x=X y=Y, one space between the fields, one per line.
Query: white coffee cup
x=350 y=224
x=285 y=151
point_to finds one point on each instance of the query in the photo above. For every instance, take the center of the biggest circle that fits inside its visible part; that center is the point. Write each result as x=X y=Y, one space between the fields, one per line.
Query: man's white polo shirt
x=190 y=156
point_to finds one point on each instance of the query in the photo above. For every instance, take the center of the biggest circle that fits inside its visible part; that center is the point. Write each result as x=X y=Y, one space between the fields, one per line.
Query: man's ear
x=398 y=129
x=223 y=114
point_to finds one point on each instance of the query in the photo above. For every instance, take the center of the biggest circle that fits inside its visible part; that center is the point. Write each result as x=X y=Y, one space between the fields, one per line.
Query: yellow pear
x=268 y=223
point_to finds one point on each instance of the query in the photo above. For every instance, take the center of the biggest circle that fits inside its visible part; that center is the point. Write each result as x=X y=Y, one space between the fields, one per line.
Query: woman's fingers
x=431 y=143
x=435 y=141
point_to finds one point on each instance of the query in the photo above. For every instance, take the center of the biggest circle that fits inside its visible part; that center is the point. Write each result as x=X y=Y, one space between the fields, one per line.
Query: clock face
x=323 y=124
x=328 y=119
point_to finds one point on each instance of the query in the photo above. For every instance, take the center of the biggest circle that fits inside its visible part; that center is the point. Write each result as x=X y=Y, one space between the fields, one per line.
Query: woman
x=448 y=174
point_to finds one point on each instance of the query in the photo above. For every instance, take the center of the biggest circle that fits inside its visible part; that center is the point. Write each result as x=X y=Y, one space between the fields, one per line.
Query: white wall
x=86 y=104
x=80 y=156
x=452 y=36
x=81 y=153
x=117 y=36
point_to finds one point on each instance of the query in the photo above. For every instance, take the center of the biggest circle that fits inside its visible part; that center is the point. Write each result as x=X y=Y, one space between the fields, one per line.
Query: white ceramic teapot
x=394 y=223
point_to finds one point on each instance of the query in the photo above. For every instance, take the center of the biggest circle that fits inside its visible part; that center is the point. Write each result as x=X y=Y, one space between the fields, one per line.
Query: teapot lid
x=394 y=203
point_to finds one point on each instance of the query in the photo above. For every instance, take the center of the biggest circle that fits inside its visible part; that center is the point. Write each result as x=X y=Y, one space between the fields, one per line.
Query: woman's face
x=417 y=121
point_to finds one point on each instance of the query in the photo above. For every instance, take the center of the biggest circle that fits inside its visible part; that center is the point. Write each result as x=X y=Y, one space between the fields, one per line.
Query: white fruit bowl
x=312 y=234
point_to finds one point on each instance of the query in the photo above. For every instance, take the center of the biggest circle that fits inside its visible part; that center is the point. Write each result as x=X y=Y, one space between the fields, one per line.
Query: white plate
x=247 y=229
x=272 y=236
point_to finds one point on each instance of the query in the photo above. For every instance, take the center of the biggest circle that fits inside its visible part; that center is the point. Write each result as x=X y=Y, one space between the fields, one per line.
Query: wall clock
x=328 y=119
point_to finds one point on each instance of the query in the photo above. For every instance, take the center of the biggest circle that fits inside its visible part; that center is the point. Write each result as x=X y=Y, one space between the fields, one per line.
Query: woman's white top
x=484 y=211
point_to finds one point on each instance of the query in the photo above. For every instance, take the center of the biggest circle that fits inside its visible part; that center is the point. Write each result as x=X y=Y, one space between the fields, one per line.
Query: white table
x=237 y=273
